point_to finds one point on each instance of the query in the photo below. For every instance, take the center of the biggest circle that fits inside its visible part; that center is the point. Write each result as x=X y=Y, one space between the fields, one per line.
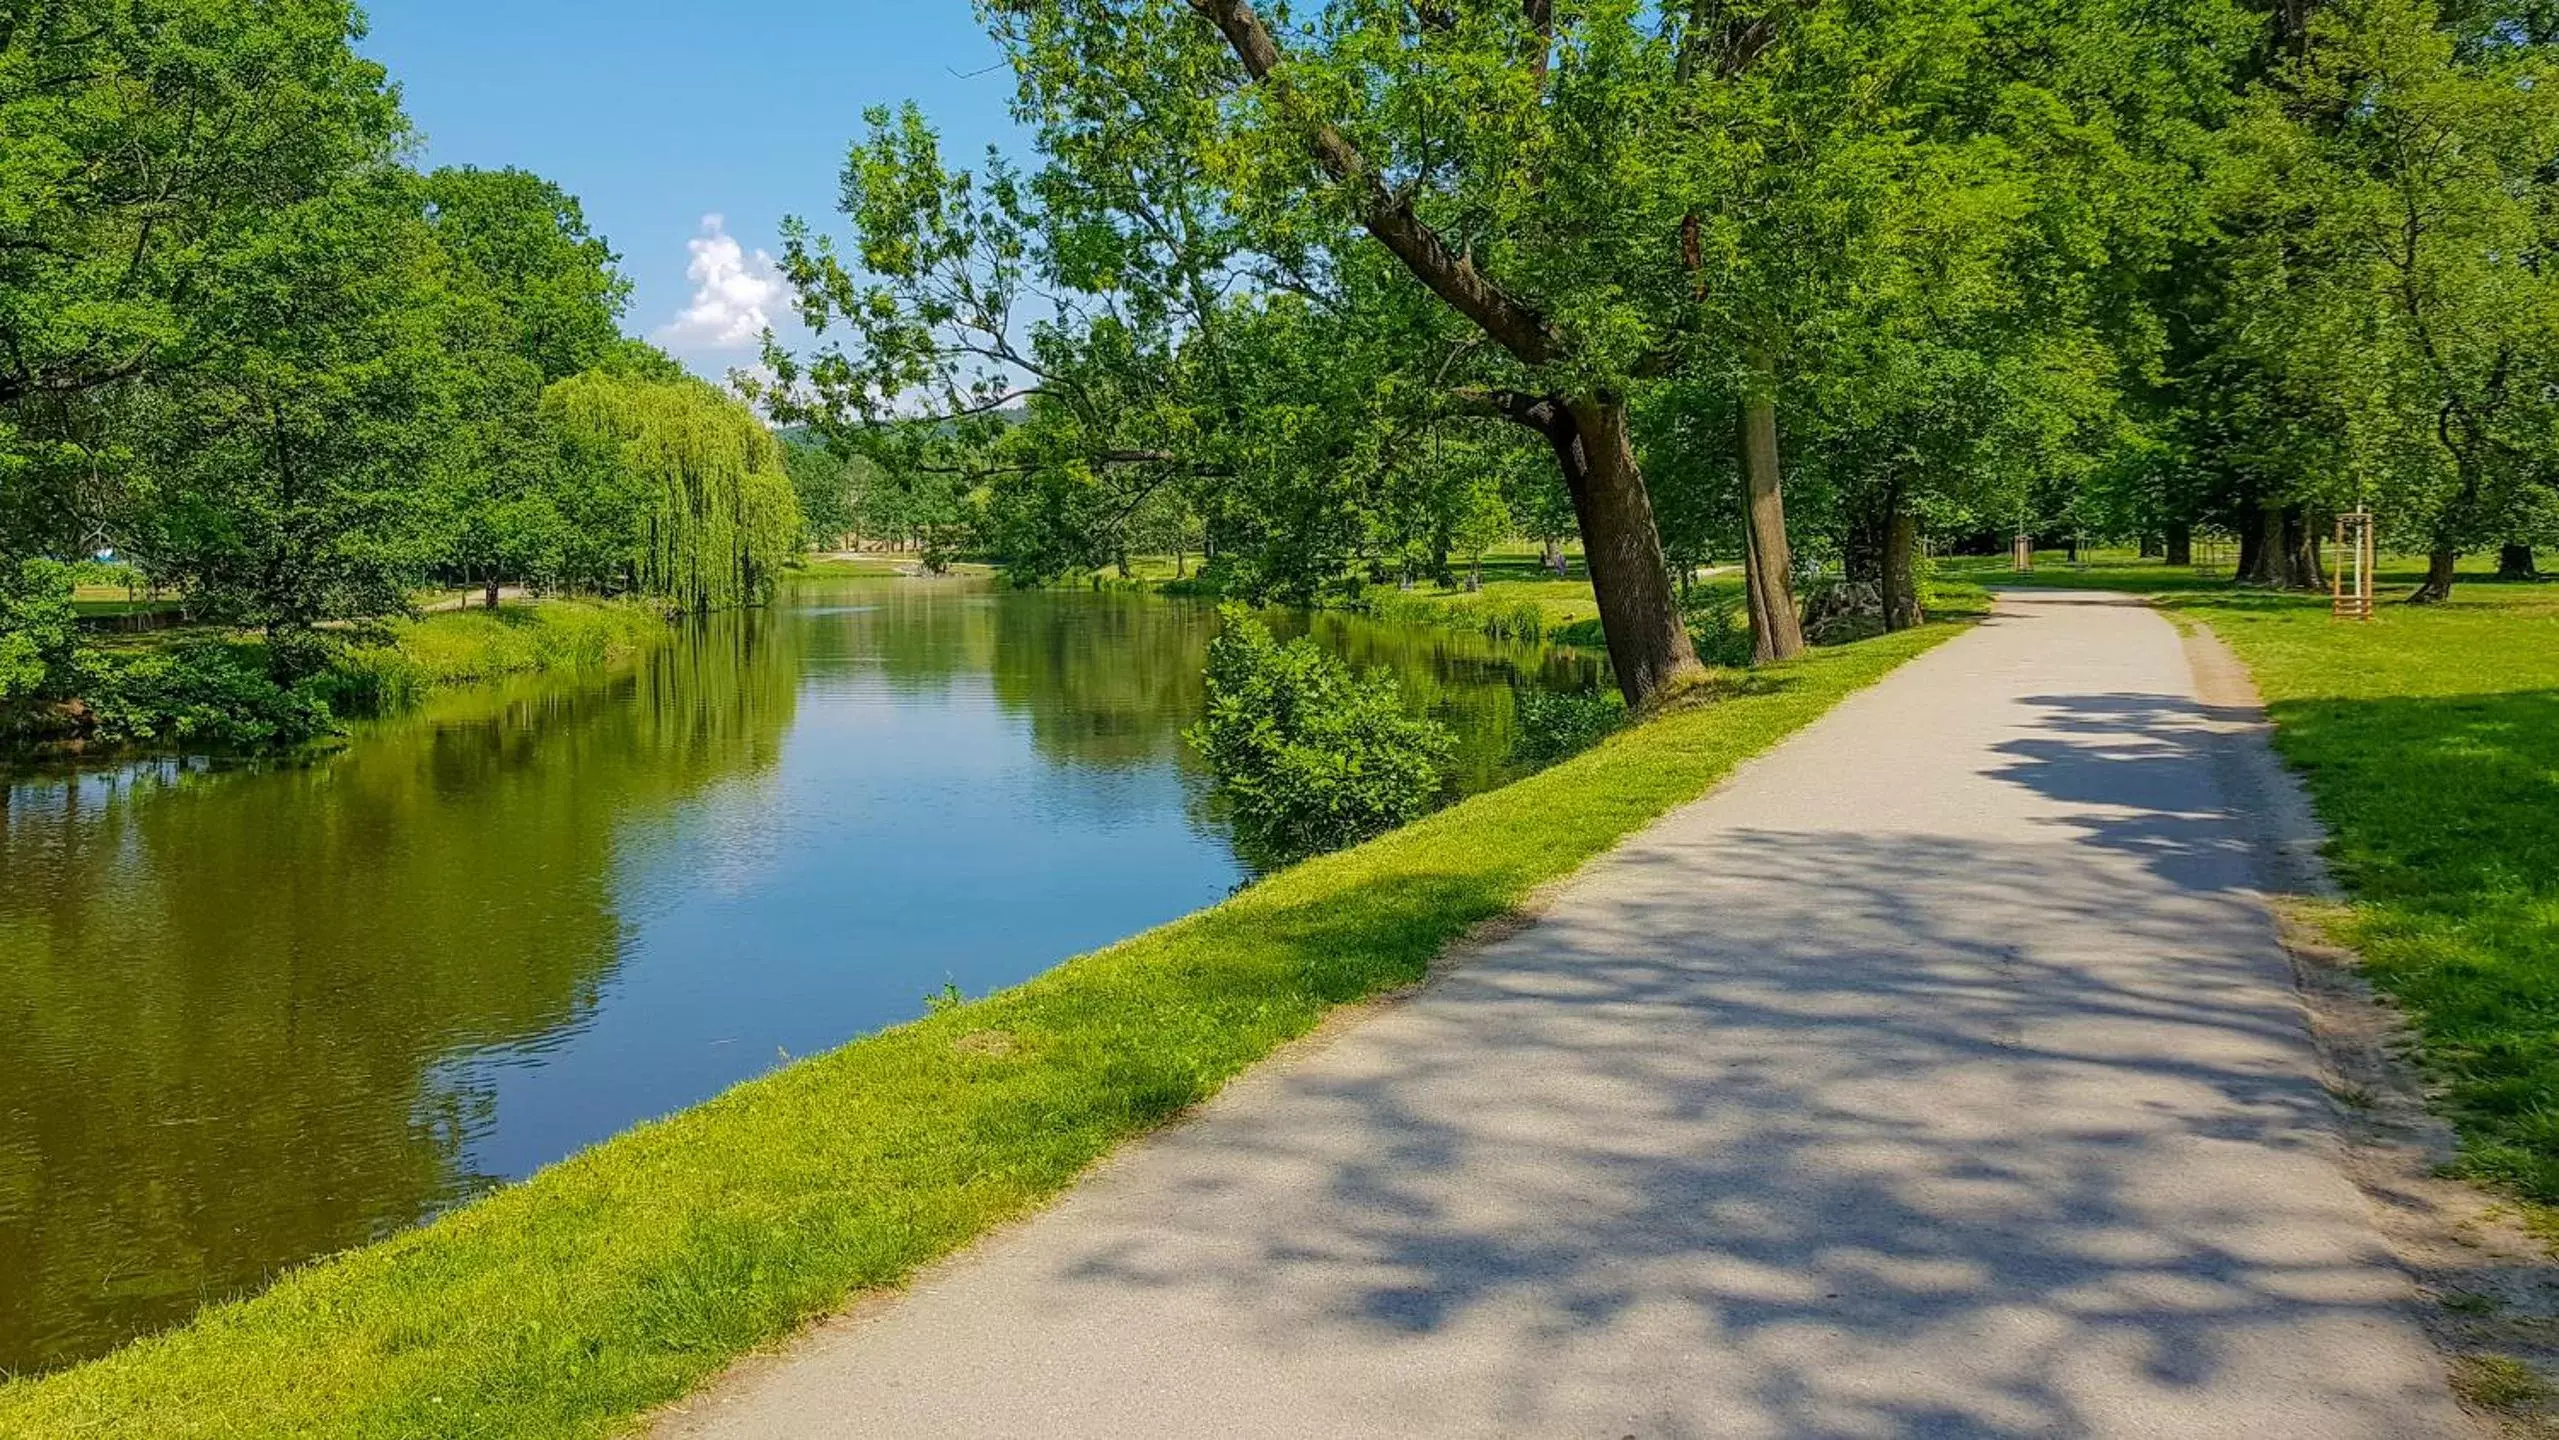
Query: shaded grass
x=2429 y=740
x=622 y=1277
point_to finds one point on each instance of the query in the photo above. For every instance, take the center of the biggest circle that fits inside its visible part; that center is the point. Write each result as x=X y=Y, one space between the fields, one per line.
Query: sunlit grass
x=621 y=1278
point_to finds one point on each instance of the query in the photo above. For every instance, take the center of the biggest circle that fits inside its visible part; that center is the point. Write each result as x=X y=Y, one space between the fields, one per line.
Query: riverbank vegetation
x=288 y=380
x=1309 y=755
x=619 y=1279
x=213 y=688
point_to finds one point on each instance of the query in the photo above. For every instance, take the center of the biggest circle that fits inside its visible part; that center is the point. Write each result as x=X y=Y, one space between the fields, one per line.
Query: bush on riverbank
x=1311 y=755
x=455 y=647
x=213 y=690
x=622 y=1277
x=200 y=692
x=1558 y=726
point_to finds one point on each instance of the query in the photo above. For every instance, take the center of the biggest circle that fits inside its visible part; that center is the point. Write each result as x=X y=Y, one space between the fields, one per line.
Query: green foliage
x=39 y=633
x=455 y=647
x=623 y=1277
x=1557 y=725
x=523 y=243
x=282 y=467
x=707 y=512
x=2393 y=323
x=148 y=142
x=281 y=373
x=199 y=694
x=1310 y=756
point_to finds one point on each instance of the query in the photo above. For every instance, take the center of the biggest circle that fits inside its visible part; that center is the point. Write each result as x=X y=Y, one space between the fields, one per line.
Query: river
x=254 y=1014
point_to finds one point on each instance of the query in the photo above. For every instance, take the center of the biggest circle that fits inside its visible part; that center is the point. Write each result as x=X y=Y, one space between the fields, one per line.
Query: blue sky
x=657 y=115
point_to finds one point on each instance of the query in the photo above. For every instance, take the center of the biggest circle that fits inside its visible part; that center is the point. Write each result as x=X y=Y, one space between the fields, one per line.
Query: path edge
x=2487 y=1289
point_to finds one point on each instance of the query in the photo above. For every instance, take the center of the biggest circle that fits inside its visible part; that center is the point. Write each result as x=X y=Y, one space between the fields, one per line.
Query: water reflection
x=253 y=1015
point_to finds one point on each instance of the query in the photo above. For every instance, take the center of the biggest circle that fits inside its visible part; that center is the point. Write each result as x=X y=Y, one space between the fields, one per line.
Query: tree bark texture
x=1881 y=548
x=2181 y=543
x=1648 y=642
x=2514 y=562
x=1902 y=609
x=1776 y=630
x=1647 y=639
x=2302 y=569
x=2437 y=585
x=2262 y=562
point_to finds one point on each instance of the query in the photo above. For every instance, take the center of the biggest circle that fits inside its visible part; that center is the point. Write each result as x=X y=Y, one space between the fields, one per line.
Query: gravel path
x=1937 y=1075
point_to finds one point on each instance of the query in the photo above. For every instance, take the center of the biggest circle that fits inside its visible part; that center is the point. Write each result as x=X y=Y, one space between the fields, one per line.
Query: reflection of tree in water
x=1110 y=680
x=1459 y=678
x=222 y=996
x=1105 y=680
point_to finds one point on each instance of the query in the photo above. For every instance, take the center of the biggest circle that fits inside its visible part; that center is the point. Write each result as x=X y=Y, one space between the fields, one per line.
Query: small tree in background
x=1312 y=757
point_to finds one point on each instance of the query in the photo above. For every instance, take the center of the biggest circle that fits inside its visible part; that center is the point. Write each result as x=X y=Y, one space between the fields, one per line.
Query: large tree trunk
x=1776 y=631
x=2302 y=570
x=1901 y=568
x=490 y=589
x=2261 y=546
x=2181 y=543
x=2438 y=582
x=1648 y=643
x=2514 y=562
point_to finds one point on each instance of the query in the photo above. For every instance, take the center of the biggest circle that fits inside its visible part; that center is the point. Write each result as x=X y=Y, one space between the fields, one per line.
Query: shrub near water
x=1556 y=727
x=199 y=693
x=1311 y=756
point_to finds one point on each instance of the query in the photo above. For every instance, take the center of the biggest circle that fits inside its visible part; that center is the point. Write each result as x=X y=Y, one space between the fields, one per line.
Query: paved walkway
x=1939 y=1075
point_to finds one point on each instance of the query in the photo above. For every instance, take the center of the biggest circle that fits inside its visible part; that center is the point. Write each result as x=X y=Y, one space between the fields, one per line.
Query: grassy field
x=2429 y=739
x=626 y=1275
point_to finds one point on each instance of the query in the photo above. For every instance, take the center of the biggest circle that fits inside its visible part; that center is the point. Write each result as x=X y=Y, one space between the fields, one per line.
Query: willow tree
x=708 y=493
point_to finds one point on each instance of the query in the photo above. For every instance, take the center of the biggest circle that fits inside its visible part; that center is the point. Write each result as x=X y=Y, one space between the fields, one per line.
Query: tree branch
x=1516 y=325
x=1542 y=413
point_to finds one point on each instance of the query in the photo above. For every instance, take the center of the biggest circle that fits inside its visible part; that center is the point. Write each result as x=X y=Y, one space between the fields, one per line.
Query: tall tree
x=285 y=467
x=701 y=484
x=145 y=142
x=525 y=243
x=2395 y=278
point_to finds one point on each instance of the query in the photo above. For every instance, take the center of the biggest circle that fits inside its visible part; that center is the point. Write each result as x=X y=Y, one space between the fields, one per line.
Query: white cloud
x=734 y=293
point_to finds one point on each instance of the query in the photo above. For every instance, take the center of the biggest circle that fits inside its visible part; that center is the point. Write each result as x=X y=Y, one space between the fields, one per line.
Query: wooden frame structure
x=2021 y=554
x=2350 y=584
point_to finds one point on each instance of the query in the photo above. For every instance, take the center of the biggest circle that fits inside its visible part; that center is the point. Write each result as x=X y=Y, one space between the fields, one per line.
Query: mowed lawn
x=2429 y=738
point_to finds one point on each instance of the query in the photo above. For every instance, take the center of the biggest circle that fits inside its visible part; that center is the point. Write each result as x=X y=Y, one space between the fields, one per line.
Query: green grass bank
x=456 y=647
x=2429 y=740
x=207 y=689
x=623 y=1277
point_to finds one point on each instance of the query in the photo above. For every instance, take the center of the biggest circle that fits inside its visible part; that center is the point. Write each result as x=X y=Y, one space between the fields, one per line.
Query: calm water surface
x=248 y=1016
